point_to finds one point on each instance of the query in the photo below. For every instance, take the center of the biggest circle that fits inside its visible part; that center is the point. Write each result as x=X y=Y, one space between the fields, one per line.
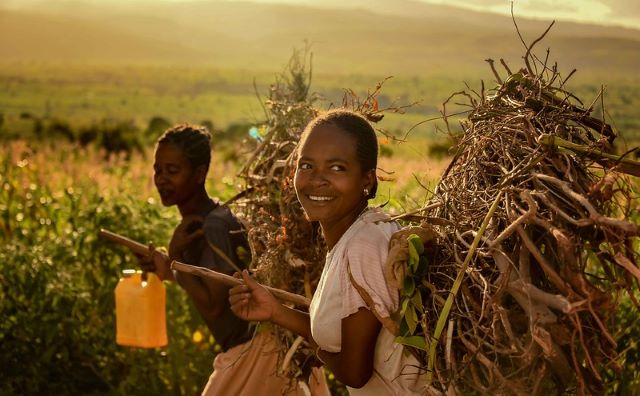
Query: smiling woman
x=335 y=178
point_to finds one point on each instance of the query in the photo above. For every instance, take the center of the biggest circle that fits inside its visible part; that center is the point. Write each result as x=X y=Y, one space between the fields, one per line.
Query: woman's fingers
x=239 y=289
x=239 y=294
x=250 y=300
x=248 y=280
x=248 y=286
x=239 y=304
x=146 y=262
x=239 y=298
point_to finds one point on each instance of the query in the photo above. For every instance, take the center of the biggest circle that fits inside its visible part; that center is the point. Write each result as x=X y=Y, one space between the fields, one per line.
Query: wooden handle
x=136 y=247
x=231 y=281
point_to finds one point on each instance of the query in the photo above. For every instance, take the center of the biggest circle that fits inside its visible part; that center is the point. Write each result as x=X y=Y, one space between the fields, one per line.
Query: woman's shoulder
x=376 y=229
x=221 y=217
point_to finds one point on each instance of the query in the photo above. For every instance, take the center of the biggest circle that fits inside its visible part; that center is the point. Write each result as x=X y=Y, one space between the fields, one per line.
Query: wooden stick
x=625 y=263
x=231 y=281
x=622 y=164
x=413 y=212
x=134 y=246
x=140 y=248
x=220 y=253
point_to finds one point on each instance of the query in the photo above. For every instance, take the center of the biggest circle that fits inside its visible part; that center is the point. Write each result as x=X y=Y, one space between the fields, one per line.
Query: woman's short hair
x=194 y=140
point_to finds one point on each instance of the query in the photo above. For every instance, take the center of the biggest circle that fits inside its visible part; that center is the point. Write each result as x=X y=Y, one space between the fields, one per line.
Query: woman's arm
x=353 y=365
x=209 y=297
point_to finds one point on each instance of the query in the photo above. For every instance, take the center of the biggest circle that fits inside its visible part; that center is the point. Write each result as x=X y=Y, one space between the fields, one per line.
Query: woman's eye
x=304 y=166
x=337 y=168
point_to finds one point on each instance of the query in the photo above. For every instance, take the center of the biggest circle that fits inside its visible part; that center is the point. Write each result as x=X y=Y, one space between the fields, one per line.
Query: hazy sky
x=618 y=12
x=615 y=12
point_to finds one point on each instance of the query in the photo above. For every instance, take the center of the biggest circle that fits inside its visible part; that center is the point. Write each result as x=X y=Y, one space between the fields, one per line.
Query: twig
x=223 y=255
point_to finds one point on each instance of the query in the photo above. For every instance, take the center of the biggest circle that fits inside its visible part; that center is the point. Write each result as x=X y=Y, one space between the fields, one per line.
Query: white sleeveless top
x=363 y=250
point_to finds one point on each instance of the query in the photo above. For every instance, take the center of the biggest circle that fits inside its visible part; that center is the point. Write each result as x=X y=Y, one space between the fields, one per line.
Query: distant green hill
x=84 y=61
x=379 y=37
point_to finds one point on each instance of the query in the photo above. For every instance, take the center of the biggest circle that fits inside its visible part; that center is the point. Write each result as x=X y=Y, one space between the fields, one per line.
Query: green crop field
x=82 y=94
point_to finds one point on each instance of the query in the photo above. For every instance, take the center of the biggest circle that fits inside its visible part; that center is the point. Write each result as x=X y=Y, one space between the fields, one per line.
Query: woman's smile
x=320 y=198
x=330 y=181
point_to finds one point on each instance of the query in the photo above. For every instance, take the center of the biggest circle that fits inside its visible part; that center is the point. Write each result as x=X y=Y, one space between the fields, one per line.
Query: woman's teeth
x=319 y=198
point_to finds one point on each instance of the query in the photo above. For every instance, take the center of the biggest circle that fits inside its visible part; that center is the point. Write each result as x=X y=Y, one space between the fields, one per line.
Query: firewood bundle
x=287 y=250
x=510 y=283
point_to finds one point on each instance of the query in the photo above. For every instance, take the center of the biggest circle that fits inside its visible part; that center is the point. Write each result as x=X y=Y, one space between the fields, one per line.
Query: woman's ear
x=201 y=173
x=370 y=179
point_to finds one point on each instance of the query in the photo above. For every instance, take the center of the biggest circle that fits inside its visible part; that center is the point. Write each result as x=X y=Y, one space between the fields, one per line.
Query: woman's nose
x=318 y=177
x=158 y=177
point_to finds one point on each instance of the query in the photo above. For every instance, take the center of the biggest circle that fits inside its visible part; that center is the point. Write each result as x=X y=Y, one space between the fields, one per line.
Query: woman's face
x=329 y=179
x=173 y=175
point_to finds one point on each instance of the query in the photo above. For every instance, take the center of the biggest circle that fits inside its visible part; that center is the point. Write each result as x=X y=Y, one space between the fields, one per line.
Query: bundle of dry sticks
x=287 y=250
x=513 y=285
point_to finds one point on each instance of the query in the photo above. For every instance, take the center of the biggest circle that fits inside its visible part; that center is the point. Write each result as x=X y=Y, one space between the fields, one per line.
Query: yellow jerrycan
x=140 y=310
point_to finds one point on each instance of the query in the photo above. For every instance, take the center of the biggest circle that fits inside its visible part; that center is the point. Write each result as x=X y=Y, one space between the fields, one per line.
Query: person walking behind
x=209 y=236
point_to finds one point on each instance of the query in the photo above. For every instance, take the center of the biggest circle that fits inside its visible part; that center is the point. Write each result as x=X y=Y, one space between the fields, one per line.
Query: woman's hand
x=251 y=301
x=187 y=231
x=157 y=262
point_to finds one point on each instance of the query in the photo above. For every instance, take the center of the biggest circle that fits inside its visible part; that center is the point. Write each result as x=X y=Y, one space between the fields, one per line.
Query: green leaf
x=414 y=259
x=417 y=299
x=412 y=319
x=417 y=342
x=404 y=327
x=409 y=286
x=416 y=248
x=423 y=265
x=415 y=240
x=405 y=304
